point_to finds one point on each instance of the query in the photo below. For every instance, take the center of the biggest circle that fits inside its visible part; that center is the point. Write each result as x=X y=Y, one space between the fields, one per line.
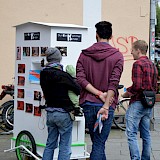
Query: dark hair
x=104 y=29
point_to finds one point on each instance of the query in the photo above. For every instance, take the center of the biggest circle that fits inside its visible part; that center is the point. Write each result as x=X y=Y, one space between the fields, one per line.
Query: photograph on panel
x=26 y=51
x=34 y=76
x=29 y=107
x=37 y=111
x=20 y=93
x=35 y=51
x=21 y=68
x=43 y=50
x=37 y=95
x=63 y=50
x=18 y=53
x=21 y=80
x=20 y=105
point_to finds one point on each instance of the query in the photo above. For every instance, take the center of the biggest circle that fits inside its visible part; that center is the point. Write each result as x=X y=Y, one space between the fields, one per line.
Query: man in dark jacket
x=99 y=69
x=55 y=84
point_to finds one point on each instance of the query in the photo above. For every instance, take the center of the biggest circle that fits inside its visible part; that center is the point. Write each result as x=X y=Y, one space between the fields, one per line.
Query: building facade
x=130 y=20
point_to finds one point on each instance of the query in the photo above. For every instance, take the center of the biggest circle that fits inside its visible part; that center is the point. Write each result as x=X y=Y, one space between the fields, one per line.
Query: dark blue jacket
x=55 y=84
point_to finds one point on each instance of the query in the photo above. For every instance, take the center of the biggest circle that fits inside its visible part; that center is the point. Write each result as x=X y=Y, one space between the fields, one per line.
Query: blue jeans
x=138 y=118
x=98 y=139
x=58 y=123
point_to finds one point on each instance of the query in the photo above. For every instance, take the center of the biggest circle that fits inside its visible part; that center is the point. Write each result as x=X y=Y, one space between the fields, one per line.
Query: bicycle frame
x=119 y=116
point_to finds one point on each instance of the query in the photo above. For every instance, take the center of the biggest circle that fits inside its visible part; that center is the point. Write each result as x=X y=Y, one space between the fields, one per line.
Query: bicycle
x=120 y=111
x=7 y=108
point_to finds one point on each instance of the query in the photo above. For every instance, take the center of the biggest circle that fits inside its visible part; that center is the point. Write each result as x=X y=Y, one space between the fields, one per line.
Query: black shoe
x=78 y=112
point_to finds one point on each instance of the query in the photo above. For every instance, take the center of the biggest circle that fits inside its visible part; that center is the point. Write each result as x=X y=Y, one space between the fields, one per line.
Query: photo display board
x=32 y=40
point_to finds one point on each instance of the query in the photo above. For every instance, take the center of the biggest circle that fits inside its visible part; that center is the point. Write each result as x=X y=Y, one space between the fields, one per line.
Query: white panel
x=27 y=121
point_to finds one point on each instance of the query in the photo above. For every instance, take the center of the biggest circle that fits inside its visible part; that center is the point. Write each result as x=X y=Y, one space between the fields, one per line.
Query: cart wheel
x=26 y=139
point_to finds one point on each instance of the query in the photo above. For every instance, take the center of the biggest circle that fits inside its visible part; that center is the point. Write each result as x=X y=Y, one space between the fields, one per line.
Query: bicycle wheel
x=8 y=114
x=26 y=139
x=119 y=117
x=3 y=127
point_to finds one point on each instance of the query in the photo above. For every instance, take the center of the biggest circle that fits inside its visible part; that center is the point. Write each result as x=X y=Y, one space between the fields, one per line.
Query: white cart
x=30 y=131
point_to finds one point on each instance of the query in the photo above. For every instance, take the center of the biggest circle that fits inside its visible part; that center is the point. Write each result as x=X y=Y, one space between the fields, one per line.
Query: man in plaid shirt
x=144 y=77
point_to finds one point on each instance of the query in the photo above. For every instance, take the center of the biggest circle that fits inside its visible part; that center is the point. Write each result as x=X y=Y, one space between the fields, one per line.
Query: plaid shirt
x=143 y=78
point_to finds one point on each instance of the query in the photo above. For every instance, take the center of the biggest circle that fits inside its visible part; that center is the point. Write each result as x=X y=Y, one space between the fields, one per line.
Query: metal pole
x=152 y=29
x=152 y=41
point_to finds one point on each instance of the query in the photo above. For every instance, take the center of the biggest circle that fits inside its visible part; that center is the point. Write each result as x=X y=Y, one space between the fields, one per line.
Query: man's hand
x=125 y=95
x=105 y=109
x=104 y=113
x=103 y=96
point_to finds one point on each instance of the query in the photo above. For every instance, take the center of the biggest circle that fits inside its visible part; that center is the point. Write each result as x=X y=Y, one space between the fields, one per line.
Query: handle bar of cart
x=21 y=146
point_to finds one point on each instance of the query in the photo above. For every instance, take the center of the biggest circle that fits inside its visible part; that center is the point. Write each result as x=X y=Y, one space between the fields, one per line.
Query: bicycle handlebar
x=120 y=86
x=9 y=92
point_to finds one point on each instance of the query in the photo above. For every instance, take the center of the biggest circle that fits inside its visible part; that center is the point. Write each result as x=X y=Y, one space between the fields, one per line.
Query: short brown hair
x=141 y=45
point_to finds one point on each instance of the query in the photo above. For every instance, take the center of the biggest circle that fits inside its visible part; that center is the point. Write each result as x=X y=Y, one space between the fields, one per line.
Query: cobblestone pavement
x=116 y=146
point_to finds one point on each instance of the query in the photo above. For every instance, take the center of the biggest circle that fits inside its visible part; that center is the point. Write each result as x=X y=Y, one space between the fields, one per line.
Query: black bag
x=148 y=99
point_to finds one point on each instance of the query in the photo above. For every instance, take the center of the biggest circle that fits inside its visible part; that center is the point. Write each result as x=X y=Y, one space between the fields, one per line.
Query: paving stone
x=116 y=146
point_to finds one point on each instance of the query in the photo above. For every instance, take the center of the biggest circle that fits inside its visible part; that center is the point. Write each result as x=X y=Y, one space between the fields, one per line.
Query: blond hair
x=141 y=45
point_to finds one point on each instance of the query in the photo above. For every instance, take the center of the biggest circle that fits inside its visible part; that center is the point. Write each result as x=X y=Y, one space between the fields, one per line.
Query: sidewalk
x=116 y=147
x=5 y=144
